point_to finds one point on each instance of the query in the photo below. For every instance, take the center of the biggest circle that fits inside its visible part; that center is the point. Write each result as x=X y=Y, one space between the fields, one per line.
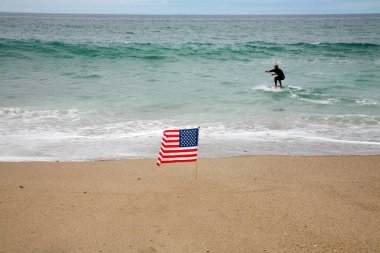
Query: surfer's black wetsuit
x=280 y=76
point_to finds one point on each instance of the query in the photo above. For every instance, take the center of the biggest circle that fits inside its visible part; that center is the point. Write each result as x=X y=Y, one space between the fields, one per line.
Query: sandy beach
x=240 y=204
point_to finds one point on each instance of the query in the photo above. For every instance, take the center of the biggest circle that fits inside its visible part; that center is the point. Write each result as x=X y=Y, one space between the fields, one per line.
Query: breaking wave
x=163 y=51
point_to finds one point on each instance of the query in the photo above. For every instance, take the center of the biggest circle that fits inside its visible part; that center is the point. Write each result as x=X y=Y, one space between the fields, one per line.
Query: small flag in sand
x=179 y=146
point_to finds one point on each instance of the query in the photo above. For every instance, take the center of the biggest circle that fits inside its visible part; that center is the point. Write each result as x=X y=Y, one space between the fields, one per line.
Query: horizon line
x=183 y=14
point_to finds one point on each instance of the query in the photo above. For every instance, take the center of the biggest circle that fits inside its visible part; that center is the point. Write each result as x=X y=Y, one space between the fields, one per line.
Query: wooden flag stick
x=196 y=163
x=196 y=169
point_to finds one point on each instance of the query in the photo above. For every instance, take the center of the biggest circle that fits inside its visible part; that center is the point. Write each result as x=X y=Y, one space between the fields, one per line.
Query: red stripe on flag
x=171 y=134
x=171 y=140
x=177 y=156
x=171 y=131
x=176 y=150
x=169 y=146
x=176 y=161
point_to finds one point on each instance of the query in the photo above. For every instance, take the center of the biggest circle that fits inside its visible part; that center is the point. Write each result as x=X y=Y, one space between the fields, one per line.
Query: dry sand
x=242 y=204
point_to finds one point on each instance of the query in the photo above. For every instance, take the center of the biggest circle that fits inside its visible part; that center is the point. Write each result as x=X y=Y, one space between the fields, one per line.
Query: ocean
x=90 y=87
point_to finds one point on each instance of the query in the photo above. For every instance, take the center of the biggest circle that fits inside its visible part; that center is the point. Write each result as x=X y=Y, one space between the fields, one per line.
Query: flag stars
x=188 y=137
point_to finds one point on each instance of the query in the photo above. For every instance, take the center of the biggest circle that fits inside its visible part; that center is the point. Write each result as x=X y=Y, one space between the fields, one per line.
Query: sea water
x=84 y=87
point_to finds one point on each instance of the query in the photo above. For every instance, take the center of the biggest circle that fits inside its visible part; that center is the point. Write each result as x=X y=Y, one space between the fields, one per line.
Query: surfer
x=279 y=75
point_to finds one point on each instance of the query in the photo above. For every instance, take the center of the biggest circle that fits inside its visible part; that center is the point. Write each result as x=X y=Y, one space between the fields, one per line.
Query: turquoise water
x=83 y=87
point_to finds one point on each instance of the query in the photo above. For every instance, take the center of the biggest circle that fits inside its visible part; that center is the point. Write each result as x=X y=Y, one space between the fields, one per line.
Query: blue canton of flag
x=188 y=138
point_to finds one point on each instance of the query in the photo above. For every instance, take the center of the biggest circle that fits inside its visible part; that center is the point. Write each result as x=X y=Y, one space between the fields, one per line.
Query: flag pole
x=196 y=163
x=196 y=169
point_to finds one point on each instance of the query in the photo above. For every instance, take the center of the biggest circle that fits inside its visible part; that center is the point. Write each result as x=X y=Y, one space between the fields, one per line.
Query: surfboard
x=276 y=87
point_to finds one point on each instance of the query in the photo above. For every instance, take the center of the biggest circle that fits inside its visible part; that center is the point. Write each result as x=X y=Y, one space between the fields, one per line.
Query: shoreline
x=237 y=204
x=201 y=158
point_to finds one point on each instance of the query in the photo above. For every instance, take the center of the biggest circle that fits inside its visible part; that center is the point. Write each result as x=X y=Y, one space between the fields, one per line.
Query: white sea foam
x=352 y=120
x=366 y=102
x=27 y=134
x=142 y=139
x=18 y=113
x=327 y=101
x=267 y=87
x=292 y=87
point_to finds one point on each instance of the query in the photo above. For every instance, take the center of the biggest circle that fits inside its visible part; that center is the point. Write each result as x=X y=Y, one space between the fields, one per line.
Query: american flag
x=180 y=145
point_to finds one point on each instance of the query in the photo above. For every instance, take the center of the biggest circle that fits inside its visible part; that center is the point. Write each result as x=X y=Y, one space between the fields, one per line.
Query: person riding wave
x=279 y=75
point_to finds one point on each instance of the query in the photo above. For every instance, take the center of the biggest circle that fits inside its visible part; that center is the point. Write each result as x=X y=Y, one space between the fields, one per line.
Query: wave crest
x=165 y=51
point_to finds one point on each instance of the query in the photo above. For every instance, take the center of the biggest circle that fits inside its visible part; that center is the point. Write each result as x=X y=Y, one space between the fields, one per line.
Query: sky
x=192 y=6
